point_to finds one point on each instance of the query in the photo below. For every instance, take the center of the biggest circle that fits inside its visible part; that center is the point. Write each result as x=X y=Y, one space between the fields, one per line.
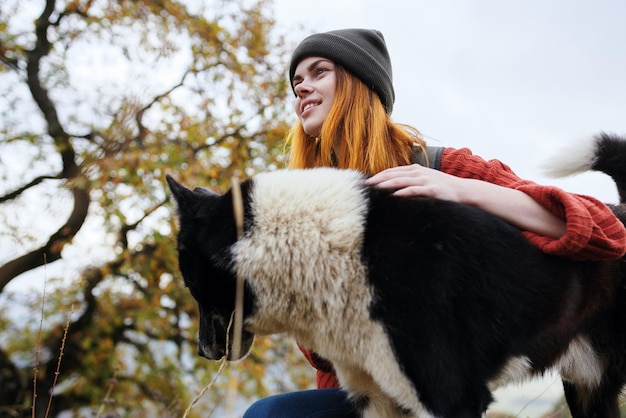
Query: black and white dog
x=423 y=306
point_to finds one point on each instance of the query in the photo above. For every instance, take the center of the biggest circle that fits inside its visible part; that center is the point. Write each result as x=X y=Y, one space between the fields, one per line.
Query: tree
x=102 y=99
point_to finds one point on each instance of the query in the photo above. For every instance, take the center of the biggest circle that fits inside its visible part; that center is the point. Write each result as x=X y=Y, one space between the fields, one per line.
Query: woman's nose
x=302 y=89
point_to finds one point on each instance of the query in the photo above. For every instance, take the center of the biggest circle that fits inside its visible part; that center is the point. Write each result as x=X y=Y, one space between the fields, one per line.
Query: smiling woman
x=513 y=81
x=342 y=81
x=317 y=76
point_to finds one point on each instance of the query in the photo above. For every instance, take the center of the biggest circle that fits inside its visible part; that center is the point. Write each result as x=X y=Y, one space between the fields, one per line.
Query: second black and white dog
x=423 y=306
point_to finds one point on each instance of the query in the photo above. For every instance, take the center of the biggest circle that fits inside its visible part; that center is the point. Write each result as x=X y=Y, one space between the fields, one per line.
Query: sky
x=520 y=81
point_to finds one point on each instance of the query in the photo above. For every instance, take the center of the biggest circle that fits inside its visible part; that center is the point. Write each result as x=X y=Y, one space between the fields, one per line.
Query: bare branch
x=139 y=116
x=51 y=251
x=12 y=63
x=79 y=187
x=37 y=180
x=41 y=96
x=123 y=235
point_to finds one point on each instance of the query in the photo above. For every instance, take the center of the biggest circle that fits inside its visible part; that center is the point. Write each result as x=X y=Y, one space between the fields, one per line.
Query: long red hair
x=358 y=124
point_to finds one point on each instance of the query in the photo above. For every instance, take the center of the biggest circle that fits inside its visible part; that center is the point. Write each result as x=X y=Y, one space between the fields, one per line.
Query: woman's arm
x=512 y=205
x=555 y=221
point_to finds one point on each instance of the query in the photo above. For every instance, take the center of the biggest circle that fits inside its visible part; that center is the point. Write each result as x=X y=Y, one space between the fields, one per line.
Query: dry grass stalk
x=107 y=396
x=217 y=375
x=57 y=371
x=38 y=345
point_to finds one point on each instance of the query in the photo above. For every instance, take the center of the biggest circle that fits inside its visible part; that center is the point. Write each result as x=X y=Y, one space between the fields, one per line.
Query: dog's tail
x=605 y=153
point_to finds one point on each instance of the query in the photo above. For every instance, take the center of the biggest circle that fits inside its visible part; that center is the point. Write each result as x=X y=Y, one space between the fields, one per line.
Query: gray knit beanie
x=362 y=52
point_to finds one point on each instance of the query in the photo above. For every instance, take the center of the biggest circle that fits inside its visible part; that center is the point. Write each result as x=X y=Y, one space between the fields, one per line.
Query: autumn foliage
x=100 y=100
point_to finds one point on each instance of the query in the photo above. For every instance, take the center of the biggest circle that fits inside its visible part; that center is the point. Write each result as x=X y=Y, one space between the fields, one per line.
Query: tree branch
x=52 y=249
x=79 y=186
x=12 y=195
x=41 y=96
x=126 y=228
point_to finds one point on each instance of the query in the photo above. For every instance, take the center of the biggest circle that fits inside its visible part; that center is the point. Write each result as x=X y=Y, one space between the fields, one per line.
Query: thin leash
x=238 y=212
x=238 y=314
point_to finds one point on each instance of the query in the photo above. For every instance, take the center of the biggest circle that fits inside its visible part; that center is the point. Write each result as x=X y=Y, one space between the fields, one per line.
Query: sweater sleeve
x=326 y=377
x=593 y=232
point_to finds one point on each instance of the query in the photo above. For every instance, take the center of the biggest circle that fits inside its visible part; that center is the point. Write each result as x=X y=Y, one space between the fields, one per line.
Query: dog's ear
x=204 y=192
x=187 y=200
x=182 y=195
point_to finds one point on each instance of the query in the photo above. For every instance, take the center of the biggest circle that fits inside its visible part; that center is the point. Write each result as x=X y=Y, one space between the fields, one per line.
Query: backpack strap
x=431 y=159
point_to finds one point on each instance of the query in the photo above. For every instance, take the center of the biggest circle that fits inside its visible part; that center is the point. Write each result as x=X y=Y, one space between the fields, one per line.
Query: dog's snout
x=210 y=353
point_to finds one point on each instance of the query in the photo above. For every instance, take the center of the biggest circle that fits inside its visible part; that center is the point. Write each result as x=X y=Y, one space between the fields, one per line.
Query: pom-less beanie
x=362 y=52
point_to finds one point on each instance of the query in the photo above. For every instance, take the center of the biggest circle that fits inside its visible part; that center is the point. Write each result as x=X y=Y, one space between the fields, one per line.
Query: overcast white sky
x=514 y=80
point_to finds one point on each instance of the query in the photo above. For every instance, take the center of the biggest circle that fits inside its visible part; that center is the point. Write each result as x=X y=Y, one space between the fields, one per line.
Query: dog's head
x=206 y=235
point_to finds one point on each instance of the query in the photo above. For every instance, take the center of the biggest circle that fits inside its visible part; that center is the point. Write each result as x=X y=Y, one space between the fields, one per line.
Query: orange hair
x=358 y=125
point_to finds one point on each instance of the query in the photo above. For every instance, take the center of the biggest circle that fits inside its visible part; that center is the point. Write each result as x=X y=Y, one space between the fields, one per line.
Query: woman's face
x=314 y=84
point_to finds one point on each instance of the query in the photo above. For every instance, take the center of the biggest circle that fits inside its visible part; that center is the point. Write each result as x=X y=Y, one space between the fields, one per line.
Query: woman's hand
x=512 y=205
x=416 y=180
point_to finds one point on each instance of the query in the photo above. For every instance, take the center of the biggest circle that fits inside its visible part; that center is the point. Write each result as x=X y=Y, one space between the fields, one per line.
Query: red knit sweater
x=593 y=232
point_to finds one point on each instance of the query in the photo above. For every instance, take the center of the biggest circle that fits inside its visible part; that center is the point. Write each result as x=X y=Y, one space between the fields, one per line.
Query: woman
x=344 y=97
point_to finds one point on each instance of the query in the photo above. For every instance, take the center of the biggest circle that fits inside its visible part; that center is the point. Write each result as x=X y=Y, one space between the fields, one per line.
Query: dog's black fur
x=459 y=294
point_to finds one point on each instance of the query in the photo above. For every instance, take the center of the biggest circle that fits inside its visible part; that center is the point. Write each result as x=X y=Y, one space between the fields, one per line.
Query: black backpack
x=431 y=159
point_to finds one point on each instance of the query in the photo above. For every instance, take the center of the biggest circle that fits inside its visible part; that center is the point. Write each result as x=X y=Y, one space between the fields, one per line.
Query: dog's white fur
x=578 y=157
x=581 y=364
x=324 y=271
